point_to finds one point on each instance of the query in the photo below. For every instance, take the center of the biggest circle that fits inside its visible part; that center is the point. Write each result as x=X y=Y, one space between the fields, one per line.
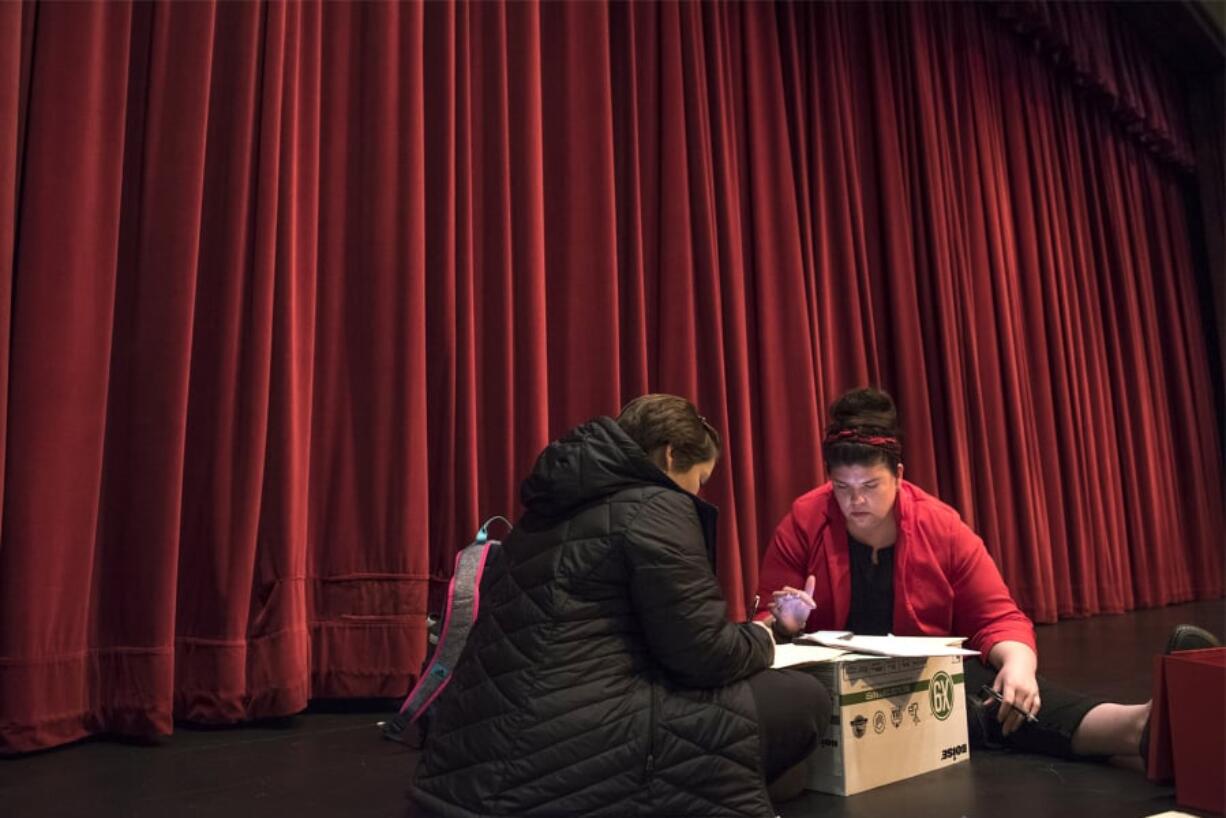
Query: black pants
x=1052 y=734
x=793 y=712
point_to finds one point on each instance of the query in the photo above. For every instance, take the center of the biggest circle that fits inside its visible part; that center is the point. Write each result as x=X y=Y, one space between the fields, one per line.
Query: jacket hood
x=589 y=462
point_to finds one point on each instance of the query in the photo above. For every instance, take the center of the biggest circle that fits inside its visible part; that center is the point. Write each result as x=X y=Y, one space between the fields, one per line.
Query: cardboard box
x=894 y=718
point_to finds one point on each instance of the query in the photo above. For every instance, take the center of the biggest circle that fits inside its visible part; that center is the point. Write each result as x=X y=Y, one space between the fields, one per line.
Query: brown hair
x=863 y=430
x=656 y=421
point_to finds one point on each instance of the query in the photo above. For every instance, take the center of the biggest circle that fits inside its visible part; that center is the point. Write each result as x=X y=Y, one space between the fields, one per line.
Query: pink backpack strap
x=460 y=615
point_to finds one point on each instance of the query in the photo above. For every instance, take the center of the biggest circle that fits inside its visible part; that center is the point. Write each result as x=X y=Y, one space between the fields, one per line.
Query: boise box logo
x=953 y=752
x=858 y=724
x=941 y=695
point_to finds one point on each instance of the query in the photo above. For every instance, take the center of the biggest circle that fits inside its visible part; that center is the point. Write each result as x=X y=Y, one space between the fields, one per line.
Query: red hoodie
x=945 y=583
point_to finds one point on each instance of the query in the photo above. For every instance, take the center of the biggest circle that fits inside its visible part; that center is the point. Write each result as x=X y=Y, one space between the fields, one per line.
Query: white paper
x=804 y=654
x=891 y=645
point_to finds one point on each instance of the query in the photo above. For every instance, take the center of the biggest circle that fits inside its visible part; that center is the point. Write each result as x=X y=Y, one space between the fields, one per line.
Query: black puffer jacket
x=602 y=677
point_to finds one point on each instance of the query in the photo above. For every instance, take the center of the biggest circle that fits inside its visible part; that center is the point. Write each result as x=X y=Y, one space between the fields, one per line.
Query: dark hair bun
x=866 y=409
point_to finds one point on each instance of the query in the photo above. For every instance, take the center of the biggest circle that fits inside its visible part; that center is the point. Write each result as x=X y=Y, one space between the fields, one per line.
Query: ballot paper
x=806 y=653
x=890 y=645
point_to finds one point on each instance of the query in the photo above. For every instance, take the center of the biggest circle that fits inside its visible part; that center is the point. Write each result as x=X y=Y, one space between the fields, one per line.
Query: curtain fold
x=1105 y=56
x=291 y=295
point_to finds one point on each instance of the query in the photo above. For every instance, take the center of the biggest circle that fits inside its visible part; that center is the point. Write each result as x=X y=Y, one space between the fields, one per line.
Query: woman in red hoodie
x=871 y=553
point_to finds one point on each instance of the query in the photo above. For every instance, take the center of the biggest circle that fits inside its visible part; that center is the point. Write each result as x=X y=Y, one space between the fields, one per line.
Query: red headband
x=886 y=442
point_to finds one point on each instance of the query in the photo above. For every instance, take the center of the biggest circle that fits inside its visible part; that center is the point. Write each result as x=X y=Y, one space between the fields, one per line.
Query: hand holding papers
x=890 y=645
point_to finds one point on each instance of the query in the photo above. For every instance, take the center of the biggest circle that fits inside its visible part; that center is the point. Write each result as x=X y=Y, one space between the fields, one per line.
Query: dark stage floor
x=334 y=764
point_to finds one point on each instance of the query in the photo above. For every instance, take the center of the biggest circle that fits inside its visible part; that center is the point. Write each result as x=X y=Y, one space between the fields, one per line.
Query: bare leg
x=1111 y=730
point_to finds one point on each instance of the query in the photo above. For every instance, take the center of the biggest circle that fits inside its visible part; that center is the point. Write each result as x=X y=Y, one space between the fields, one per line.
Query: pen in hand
x=992 y=692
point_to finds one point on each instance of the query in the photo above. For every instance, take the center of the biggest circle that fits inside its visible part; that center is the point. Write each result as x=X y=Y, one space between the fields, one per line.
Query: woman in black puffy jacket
x=602 y=677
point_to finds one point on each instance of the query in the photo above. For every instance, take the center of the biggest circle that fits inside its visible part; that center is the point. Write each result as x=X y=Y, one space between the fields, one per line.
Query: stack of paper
x=846 y=641
x=803 y=653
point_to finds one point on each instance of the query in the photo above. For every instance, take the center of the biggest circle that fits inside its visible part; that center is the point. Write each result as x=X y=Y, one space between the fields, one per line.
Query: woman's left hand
x=1016 y=682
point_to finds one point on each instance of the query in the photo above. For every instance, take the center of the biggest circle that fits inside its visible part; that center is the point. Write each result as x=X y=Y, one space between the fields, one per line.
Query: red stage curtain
x=1106 y=56
x=292 y=293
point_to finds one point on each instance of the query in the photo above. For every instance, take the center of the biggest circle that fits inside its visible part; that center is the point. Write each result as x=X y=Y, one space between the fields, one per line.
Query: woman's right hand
x=791 y=606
